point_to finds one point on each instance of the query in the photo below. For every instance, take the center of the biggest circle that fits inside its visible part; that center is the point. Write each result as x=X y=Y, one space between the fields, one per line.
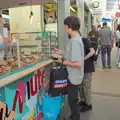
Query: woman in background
x=117 y=35
x=1 y=25
x=2 y=53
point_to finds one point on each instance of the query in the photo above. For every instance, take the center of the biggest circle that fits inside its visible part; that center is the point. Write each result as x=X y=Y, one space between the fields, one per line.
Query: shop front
x=21 y=92
x=24 y=73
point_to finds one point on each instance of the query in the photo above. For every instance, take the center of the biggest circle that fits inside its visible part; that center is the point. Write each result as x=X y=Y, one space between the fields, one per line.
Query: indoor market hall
x=49 y=49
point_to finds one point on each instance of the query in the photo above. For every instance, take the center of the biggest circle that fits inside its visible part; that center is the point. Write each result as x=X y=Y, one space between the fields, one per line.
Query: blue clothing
x=2 y=47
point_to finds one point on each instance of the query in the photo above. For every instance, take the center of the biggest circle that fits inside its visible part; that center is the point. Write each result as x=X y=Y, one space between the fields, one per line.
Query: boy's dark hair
x=105 y=24
x=118 y=27
x=72 y=22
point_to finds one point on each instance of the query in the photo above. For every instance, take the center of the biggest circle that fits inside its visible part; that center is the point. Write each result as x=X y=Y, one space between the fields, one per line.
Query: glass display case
x=27 y=49
x=37 y=42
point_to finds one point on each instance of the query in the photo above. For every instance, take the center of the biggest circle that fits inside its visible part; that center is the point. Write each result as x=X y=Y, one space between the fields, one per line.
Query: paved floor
x=105 y=94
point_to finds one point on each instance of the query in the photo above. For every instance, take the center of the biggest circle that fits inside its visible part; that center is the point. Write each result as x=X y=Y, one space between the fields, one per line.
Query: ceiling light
x=72 y=9
x=31 y=17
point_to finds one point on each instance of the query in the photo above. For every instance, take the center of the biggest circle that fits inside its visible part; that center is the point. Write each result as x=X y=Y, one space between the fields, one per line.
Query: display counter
x=21 y=91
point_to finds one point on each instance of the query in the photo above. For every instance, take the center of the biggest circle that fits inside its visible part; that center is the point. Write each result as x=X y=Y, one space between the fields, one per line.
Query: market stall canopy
x=17 y=3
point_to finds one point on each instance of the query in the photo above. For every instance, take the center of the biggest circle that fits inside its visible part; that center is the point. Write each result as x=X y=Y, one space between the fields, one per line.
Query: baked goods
x=11 y=63
x=2 y=63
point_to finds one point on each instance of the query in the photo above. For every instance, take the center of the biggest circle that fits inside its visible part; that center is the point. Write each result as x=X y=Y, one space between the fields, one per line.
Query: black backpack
x=94 y=45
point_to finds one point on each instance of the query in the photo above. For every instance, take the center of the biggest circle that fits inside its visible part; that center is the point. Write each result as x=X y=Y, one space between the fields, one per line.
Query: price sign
x=45 y=35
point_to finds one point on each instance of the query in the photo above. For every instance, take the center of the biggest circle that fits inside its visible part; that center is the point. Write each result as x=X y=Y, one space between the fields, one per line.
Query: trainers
x=81 y=103
x=109 y=66
x=86 y=108
x=104 y=67
x=118 y=65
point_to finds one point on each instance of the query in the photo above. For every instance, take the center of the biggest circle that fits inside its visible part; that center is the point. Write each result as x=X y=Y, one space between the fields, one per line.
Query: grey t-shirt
x=105 y=36
x=74 y=53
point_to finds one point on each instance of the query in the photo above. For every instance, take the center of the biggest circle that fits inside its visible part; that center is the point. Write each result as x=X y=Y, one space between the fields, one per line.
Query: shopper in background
x=105 y=40
x=117 y=37
x=94 y=34
x=2 y=53
x=1 y=26
x=74 y=60
x=98 y=28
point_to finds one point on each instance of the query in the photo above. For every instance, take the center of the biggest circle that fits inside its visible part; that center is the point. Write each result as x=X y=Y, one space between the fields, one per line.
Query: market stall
x=23 y=78
x=24 y=72
x=21 y=91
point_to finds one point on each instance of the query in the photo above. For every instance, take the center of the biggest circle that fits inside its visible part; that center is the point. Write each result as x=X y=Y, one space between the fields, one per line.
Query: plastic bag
x=51 y=106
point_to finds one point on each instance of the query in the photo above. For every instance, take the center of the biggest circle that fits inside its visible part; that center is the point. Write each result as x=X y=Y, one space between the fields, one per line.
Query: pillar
x=89 y=21
x=42 y=18
x=80 y=6
x=1 y=26
x=62 y=12
x=94 y=20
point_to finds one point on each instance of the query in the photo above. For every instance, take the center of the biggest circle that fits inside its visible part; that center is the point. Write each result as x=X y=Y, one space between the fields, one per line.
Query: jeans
x=106 y=49
x=72 y=91
x=118 y=55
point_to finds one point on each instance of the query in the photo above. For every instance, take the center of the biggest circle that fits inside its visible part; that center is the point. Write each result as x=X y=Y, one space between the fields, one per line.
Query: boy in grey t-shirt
x=74 y=60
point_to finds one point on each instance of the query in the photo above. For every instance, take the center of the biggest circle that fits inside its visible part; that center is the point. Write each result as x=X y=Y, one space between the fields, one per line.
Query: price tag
x=45 y=35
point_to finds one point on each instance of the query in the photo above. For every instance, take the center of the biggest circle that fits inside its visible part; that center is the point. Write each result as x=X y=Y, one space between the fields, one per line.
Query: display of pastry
x=3 y=62
x=11 y=63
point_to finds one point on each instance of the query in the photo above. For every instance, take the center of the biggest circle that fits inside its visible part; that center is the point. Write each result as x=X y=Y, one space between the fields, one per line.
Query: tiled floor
x=106 y=94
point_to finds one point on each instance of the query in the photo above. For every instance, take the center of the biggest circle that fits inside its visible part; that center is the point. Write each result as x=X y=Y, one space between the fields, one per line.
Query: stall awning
x=17 y=3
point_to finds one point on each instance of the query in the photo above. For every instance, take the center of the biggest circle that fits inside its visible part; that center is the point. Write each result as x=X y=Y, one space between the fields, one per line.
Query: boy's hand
x=58 y=61
x=58 y=51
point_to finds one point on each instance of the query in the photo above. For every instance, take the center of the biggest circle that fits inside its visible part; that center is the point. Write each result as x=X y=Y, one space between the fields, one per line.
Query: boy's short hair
x=72 y=22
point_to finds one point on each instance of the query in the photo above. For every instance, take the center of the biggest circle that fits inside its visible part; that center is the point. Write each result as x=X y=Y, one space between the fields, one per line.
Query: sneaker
x=104 y=67
x=118 y=65
x=86 y=108
x=81 y=103
x=109 y=66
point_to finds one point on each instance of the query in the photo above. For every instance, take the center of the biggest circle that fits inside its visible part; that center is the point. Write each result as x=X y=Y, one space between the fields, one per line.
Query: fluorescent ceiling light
x=5 y=16
x=72 y=9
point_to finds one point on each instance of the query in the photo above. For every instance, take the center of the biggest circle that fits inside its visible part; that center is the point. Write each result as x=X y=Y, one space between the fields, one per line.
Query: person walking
x=117 y=37
x=93 y=35
x=74 y=61
x=2 y=53
x=105 y=40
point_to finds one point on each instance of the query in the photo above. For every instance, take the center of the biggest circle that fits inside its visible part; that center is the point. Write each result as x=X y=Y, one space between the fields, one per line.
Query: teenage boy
x=89 y=68
x=74 y=61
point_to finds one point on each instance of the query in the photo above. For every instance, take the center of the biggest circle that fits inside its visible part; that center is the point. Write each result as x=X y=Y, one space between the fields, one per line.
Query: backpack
x=94 y=45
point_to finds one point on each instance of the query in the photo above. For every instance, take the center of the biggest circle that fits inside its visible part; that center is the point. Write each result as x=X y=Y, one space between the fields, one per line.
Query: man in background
x=105 y=40
x=94 y=34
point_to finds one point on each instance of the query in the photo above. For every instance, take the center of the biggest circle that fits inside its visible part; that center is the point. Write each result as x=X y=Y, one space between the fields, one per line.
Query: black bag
x=118 y=44
x=58 y=81
x=97 y=51
x=95 y=47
